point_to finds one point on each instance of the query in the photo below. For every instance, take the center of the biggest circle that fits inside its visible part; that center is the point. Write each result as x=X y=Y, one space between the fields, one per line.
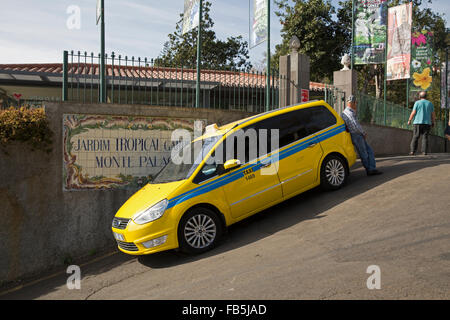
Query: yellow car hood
x=146 y=197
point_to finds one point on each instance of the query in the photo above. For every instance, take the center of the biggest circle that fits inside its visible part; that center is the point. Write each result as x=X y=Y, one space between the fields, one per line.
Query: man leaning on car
x=359 y=137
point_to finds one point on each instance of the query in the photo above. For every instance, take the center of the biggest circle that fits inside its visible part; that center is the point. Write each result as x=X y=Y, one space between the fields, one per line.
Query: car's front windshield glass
x=187 y=159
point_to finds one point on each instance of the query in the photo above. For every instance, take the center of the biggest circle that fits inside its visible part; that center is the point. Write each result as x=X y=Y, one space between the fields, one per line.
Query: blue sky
x=36 y=31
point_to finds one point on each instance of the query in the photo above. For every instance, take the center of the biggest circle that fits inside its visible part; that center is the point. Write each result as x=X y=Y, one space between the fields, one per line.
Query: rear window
x=298 y=124
x=319 y=118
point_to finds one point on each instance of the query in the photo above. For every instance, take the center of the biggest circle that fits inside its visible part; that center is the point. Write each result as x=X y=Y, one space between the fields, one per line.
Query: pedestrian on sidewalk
x=423 y=118
x=359 y=137
x=447 y=130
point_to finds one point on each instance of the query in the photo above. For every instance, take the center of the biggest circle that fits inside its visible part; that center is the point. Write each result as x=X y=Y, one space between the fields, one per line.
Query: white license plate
x=118 y=236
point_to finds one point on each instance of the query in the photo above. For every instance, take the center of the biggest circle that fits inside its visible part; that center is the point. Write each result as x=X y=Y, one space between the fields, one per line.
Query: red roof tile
x=228 y=78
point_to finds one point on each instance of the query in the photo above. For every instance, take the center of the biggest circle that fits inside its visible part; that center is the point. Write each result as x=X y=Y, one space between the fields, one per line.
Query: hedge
x=25 y=125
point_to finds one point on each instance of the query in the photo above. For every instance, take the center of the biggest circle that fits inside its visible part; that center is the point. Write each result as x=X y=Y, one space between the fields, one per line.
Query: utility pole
x=446 y=92
x=102 y=52
x=268 y=58
x=385 y=71
x=353 y=33
x=199 y=54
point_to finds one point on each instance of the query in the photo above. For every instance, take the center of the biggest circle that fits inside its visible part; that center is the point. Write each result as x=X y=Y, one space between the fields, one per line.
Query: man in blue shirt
x=424 y=118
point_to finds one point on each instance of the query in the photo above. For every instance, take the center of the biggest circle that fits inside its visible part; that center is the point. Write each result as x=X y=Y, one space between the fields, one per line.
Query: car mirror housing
x=231 y=164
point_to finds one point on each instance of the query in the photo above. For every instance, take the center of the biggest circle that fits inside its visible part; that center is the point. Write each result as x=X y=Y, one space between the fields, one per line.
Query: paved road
x=315 y=246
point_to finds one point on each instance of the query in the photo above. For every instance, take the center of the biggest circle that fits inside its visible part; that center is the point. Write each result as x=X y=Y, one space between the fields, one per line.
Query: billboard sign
x=259 y=23
x=191 y=16
x=370 y=31
x=399 y=42
x=421 y=60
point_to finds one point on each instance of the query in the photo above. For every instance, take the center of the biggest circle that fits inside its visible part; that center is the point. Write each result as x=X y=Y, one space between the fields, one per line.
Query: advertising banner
x=191 y=16
x=399 y=42
x=98 y=11
x=259 y=24
x=421 y=60
x=370 y=31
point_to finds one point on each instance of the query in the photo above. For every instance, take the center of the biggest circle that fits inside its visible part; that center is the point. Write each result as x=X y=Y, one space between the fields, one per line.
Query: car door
x=300 y=152
x=247 y=188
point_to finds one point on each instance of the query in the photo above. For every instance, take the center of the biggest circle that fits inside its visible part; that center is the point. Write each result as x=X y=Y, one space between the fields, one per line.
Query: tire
x=333 y=173
x=199 y=230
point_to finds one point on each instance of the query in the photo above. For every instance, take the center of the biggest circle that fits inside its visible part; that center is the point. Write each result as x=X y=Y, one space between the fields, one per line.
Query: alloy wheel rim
x=200 y=231
x=335 y=172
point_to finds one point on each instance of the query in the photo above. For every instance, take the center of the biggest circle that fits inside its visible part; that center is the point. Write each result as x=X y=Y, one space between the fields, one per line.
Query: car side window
x=239 y=145
x=242 y=145
x=208 y=171
x=320 y=118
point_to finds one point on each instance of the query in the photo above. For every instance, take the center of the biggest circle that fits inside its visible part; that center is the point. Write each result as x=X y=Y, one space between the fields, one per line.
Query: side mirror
x=231 y=164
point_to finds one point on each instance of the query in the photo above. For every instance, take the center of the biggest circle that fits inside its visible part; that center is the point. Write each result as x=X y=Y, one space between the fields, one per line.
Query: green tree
x=421 y=18
x=181 y=50
x=322 y=38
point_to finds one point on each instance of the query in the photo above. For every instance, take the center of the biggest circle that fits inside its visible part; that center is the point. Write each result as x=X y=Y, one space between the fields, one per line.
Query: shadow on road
x=297 y=209
x=309 y=205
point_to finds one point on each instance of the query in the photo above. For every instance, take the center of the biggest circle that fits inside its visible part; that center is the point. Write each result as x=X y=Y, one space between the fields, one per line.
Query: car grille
x=120 y=223
x=128 y=246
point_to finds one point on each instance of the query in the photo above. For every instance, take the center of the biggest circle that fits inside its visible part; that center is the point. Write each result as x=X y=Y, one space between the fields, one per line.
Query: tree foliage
x=322 y=37
x=25 y=125
x=325 y=36
x=181 y=50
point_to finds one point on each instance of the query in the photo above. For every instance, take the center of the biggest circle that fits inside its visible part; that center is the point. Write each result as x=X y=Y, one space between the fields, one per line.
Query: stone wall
x=42 y=225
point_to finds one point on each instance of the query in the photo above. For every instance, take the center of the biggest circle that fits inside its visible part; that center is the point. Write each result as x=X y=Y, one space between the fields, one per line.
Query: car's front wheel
x=334 y=173
x=199 y=230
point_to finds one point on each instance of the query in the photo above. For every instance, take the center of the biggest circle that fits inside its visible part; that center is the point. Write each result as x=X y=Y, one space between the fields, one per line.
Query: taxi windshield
x=187 y=158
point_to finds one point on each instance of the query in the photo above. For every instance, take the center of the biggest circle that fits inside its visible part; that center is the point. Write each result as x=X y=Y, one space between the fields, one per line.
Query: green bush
x=25 y=125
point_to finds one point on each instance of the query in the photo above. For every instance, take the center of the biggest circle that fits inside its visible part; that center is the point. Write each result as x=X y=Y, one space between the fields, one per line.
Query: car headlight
x=154 y=212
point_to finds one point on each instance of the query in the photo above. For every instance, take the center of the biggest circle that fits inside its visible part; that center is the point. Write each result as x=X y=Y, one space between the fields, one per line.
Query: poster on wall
x=259 y=30
x=421 y=60
x=191 y=16
x=116 y=152
x=399 y=42
x=370 y=31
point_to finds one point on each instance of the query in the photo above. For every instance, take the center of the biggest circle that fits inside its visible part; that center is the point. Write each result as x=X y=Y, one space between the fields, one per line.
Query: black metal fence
x=143 y=81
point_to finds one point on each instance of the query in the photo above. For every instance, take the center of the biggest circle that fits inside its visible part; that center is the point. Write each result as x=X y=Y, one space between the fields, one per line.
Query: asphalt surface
x=317 y=245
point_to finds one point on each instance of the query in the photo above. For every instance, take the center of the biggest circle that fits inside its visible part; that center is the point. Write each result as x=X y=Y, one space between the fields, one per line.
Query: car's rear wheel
x=199 y=230
x=334 y=173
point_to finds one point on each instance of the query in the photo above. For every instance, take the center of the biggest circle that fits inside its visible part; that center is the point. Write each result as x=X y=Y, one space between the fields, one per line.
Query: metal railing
x=335 y=98
x=144 y=81
x=372 y=110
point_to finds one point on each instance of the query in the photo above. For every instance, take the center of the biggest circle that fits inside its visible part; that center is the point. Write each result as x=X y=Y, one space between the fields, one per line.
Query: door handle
x=265 y=165
x=311 y=145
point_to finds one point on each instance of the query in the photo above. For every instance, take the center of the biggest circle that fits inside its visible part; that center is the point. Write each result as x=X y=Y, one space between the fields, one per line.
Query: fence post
x=65 y=76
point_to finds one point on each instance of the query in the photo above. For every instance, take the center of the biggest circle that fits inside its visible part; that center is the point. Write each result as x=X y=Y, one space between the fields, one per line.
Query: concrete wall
x=41 y=225
x=392 y=141
x=346 y=80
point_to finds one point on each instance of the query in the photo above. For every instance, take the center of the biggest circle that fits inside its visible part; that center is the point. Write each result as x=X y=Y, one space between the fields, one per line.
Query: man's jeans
x=365 y=151
x=420 y=129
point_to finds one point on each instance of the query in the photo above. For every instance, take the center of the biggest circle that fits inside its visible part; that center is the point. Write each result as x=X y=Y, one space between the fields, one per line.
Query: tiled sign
x=106 y=152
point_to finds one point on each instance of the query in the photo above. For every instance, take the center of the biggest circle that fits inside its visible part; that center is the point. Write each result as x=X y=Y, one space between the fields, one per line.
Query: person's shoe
x=411 y=153
x=424 y=153
x=374 y=173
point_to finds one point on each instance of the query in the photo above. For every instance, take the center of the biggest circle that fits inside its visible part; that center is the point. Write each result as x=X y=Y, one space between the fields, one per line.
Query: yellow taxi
x=238 y=170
